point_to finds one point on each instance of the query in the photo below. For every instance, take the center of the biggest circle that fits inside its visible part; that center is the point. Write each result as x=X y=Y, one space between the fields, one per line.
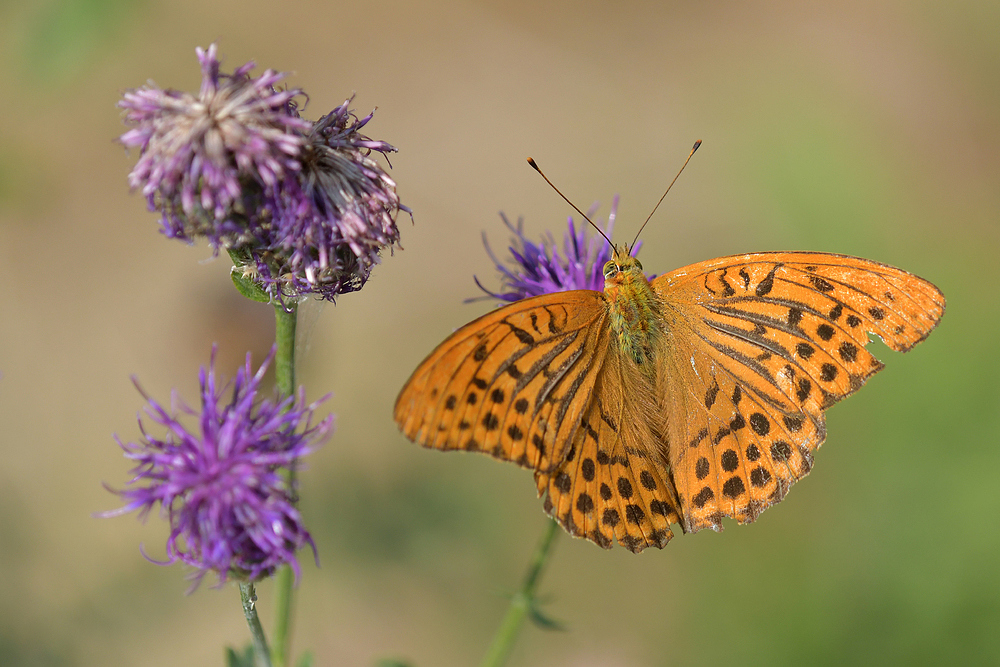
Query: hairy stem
x=521 y=603
x=284 y=337
x=249 y=597
x=284 y=373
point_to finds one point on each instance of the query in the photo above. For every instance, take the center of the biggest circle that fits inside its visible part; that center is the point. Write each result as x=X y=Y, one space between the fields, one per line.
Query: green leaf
x=542 y=621
x=248 y=287
x=234 y=659
x=305 y=660
x=392 y=662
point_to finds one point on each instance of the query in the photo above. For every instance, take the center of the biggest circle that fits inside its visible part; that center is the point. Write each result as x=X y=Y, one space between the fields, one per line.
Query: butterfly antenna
x=697 y=144
x=534 y=166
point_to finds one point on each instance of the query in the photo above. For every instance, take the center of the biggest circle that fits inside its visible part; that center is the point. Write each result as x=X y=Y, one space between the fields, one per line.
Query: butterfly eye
x=610 y=269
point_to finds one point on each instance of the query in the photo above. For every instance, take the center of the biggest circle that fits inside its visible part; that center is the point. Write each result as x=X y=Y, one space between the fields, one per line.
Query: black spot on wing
x=765 y=286
x=733 y=487
x=848 y=351
x=759 y=423
x=745 y=277
x=759 y=477
x=523 y=336
x=710 y=395
x=702 y=497
x=820 y=284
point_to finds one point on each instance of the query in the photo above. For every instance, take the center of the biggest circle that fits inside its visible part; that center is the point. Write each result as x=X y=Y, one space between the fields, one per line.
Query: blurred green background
x=864 y=128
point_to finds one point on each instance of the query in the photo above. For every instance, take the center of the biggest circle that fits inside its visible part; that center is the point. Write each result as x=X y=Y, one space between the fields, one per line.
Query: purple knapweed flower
x=224 y=485
x=206 y=158
x=539 y=269
x=333 y=221
x=302 y=207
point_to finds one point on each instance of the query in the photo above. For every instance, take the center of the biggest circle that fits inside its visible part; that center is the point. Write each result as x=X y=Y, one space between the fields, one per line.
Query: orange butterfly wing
x=513 y=383
x=757 y=346
x=614 y=482
x=539 y=383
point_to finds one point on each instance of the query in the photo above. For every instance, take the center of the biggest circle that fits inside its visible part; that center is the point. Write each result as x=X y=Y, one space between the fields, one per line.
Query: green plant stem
x=521 y=603
x=284 y=374
x=249 y=596
x=284 y=337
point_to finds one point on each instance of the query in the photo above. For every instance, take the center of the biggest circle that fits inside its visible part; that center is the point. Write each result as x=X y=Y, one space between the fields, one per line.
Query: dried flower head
x=539 y=269
x=205 y=159
x=334 y=220
x=223 y=486
x=302 y=207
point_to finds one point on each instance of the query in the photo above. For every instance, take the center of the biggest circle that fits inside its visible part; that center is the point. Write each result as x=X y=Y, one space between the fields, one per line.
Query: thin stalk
x=521 y=602
x=249 y=596
x=284 y=373
x=284 y=337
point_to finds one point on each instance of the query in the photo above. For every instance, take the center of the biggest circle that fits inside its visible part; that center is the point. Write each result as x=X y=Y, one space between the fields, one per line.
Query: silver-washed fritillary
x=695 y=396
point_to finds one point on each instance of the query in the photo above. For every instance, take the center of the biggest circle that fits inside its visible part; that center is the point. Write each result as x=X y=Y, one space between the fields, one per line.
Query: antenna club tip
x=534 y=166
x=697 y=145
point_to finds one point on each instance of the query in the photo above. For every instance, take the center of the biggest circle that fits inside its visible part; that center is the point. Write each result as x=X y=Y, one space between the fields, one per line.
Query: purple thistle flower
x=223 y=486
x=539 y=269
x=333 y=221
x=302 y=207
x=199 y=152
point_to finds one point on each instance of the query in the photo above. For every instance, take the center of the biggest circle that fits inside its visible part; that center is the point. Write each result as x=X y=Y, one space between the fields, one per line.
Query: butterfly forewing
x=757 y=346
x=513 y=383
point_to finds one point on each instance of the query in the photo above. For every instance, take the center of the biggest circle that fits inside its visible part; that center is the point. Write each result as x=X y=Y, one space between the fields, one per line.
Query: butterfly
x=683 y=400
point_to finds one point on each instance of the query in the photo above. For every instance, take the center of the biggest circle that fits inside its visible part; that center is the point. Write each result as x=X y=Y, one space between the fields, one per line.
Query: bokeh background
x=854 y=127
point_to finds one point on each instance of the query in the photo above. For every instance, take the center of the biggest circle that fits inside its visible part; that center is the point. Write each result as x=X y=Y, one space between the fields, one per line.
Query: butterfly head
x=622 y=267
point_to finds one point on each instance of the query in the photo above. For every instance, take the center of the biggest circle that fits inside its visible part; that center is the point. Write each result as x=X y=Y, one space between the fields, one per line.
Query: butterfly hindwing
x=734 y=454
x=758 y=346
x=613 y=483
x=512 y=383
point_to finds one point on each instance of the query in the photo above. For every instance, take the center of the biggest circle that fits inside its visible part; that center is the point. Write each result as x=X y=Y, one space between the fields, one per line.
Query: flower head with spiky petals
x=223 y=486
x=538 y=268
x=333 y=222
x=199 y=152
